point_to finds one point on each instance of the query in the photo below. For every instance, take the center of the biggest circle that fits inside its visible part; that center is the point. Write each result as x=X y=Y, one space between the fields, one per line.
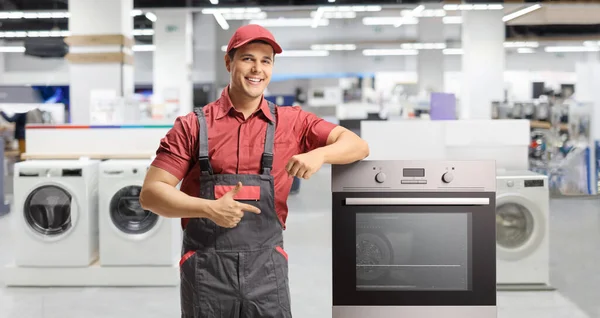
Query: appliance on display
x=522 y=230
x=517 y=111
x=130 y=235
x=55 y=213
x=414 y=239
x=542 y=112
x=528 y=111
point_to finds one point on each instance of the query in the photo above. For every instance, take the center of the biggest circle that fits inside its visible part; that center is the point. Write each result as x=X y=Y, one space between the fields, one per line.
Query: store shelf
x=94 y=275
x=546 y=125
x=99 y=156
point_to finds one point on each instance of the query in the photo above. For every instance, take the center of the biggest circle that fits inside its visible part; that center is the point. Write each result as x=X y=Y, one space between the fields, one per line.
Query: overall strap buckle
x=205 y=166
x=267 y=162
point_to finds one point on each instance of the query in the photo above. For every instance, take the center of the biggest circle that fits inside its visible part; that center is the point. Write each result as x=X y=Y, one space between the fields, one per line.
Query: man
x=237 y=157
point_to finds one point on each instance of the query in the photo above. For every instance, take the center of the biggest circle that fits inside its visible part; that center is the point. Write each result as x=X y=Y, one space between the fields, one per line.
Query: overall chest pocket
x=246 y=193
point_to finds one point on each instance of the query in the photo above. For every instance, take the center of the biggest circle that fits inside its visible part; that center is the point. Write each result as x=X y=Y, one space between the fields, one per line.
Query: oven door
x=414 y=249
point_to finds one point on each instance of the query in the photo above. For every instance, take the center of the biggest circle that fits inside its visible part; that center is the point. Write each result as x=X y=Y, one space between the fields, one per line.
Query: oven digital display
x=413 y=172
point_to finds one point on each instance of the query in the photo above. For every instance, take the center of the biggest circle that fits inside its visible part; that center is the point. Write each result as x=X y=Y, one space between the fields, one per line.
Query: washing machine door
x=48 y=210
x=127 y=214
x=519 y=226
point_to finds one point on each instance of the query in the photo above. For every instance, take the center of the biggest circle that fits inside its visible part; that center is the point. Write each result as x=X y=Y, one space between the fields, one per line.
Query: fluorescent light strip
x=47 y=14
x=521 y=12
x=33 y=34
x=62 y=33
x=591 y=43
x=474 y=7
x=452 y=51
x=388 y=52
x=423 y=46
x=245 y=16
x=231 y=10
x=142 y=32
x=315 y=21
x=395 y=21
x=335 y=15
x=221 y=21
x=303 y=53
x=144 y=48
x=429 y=13
x=151 y=16
x=571 y=49
x=452 y=20
x=282 y=22
x=350 y=8
x=12 y=49
x=333 y=47
x=525 y=50
x=521 y=44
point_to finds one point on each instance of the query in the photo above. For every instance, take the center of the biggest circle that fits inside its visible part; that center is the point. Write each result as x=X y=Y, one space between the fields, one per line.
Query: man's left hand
x=305 y=165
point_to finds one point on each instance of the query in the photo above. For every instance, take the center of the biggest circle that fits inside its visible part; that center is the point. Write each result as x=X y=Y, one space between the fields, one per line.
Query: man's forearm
x=169 y=202
x=347 y=148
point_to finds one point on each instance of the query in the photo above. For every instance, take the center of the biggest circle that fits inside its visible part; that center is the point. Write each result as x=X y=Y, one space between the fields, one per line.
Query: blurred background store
x=514 y=81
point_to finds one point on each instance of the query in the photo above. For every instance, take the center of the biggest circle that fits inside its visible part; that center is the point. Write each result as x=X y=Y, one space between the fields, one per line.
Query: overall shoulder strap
x=267 y=157
x=205 y=167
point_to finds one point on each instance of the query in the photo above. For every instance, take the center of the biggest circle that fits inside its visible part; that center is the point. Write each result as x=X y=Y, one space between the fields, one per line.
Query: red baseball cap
x=252 y=32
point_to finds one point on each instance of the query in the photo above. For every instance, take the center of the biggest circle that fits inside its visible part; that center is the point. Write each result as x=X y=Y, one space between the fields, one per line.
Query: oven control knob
x=447 y=177
x=380 y=177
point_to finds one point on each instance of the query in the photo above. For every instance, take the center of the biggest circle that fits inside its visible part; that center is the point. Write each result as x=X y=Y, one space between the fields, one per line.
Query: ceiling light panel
x=423 y=46
x=333 y=47
x=245 y=16
x=350 y=8
x=472 y=7
x=452 y=20
x=283 y=22
x=452 y=51
x=389 y=52
x=231 y=10
x=12 y=49
x=427 y=13
x=525 y=50
x=33 y=34
x=521 y=44
x=303 y=53
x=521 y=12
x=335 y=14
x=394 y=21
x=571 y=49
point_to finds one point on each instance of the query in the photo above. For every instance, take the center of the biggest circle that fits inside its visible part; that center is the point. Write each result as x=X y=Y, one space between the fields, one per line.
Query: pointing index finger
x=250 y=208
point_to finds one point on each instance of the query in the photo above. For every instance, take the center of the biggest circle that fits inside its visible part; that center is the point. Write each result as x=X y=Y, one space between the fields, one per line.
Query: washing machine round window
x=48 y=210
x=519 y=226
x=128 y=215
x=514 y=225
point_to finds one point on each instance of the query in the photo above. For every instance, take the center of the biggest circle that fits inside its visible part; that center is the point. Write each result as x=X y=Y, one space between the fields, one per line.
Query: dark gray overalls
x=241 y=271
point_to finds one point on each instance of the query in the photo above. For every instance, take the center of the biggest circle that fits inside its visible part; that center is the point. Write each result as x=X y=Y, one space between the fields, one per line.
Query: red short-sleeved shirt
x=236 y=145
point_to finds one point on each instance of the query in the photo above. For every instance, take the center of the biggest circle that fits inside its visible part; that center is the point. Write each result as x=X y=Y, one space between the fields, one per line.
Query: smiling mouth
x=254 y=80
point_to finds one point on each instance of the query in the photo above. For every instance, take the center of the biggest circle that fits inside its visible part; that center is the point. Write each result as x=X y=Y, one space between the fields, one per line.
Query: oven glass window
x=412 y=251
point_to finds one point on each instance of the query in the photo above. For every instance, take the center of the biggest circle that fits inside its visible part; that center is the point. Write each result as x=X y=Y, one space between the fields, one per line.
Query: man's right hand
x=226 y=212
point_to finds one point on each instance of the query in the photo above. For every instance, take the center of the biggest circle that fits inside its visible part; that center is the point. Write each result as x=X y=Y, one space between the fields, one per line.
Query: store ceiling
x=549 y=22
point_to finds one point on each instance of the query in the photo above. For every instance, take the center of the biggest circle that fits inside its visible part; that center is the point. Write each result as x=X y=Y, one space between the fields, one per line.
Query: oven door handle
x=417 y=201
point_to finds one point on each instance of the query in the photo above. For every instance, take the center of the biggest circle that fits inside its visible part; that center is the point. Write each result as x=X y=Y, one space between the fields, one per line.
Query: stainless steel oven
x=414 y=239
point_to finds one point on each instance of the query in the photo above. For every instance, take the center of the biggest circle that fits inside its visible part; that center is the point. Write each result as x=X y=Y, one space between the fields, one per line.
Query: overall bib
x=241 y=271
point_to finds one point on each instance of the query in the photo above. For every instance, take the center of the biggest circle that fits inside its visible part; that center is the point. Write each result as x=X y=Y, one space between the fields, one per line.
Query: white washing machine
x=130 y=235
x=522 y=230
x=55 y=213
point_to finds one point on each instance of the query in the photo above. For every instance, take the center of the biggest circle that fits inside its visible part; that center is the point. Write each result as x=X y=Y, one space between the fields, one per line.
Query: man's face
x=250 y=69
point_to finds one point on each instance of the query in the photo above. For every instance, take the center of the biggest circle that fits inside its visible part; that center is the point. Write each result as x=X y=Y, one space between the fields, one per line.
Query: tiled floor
x=575 y=254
